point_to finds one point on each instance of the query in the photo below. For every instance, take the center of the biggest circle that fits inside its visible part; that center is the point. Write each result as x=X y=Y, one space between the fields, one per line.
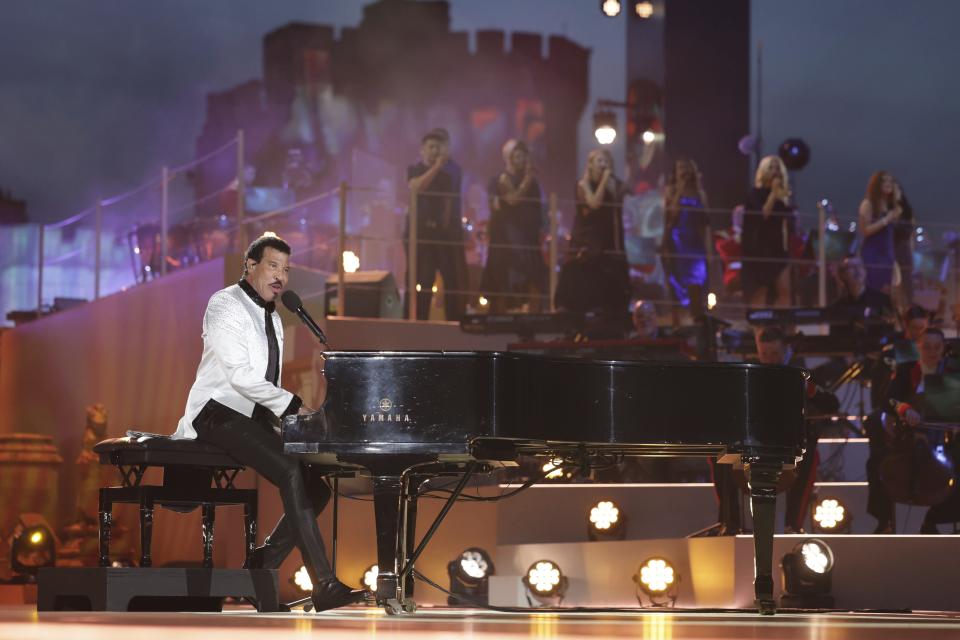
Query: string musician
x=911 y=452
x=773 y=349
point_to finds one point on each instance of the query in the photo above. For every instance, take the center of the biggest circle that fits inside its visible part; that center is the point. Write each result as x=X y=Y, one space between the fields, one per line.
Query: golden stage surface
x=22 y=623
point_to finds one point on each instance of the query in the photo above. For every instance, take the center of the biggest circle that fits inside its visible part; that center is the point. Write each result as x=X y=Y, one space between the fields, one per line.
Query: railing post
x=241 y=194
x=342 y=244
x=98 y=225
x=412 y=259
x=822 y=258
x=554 y=225
x=164 y=212
x=40 y=272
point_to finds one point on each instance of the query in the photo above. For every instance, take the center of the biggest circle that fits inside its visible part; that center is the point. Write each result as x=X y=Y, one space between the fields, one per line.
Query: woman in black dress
x=596 y=275
x=515 y=272
x=768 y=224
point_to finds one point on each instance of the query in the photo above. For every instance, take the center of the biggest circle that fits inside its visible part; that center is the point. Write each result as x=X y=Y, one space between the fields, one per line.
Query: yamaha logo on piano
x=387 y=413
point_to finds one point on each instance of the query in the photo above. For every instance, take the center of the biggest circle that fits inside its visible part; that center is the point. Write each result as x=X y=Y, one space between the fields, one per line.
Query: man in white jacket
x=236 y=404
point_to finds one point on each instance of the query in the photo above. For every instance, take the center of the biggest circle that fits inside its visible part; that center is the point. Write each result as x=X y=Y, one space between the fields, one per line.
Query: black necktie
x=273 y=359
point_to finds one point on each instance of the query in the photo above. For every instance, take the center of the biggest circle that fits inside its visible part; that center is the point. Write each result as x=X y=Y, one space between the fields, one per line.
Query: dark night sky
x=95 y=96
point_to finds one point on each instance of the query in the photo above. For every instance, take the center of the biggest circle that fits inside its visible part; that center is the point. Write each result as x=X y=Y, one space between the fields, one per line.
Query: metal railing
x=137 y=226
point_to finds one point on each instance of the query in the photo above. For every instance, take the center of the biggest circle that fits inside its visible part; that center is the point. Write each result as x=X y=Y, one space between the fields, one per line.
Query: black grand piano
x=404 y=417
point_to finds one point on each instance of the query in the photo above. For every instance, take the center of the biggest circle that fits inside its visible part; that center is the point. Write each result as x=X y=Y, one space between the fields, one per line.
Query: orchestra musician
x=236 y=403
x=645 y=322
x=859 y=300
x=904 y=394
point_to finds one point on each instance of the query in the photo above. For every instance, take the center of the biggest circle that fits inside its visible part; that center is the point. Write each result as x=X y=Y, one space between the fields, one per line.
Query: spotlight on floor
x=470 y=577
x=605 y=126
x=611 y=8
x=368 y=579
x=301 y=580
x=659 y=581
x=606 y=521
x=554 y=471
x=807 y=573
x=32 y=547
x=830 y=515
x=546 y=583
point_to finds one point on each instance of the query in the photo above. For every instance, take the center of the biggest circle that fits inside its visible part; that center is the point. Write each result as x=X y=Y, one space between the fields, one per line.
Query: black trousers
x=449 y=260
x=254 y=443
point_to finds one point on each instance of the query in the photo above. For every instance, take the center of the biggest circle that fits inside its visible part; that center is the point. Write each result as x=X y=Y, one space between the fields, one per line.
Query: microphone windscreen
x=291 y=300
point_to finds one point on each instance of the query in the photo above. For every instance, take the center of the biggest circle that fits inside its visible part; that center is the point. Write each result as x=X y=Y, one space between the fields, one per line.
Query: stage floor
x=24 y=623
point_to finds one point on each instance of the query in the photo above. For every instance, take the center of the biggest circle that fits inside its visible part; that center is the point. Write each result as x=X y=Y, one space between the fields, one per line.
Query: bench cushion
x=162 y=451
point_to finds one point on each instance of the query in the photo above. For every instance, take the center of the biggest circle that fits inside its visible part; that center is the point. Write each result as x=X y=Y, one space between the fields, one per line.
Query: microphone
x=293 y=302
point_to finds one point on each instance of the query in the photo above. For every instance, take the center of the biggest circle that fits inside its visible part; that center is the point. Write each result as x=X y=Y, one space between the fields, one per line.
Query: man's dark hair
x=916 y=312
x=433 y=135
x=771 y=334
x=256 y=248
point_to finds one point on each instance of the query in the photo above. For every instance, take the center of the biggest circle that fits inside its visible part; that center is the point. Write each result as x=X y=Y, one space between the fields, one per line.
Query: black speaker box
x=369 y=294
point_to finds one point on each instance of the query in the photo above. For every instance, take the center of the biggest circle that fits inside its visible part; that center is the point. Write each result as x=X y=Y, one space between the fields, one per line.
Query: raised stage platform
x=241 y=624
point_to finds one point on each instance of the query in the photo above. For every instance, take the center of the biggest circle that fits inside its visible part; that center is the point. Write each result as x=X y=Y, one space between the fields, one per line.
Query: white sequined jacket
x=234 y=360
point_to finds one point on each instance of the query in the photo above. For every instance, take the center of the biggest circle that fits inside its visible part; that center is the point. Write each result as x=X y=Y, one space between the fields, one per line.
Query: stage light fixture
x=368 y=579
x=469 y=576
x=483 y=301
x=711 y=300
x=269 y=234
x=351 y=262
x=807 y=574
x=659 y=580
x=611 y=8
x=301 y=580
x=32 y=547
x=643 y=9
x=606 y=521
x=605 y=126
x=648 y=137
x=545 y=582
x=830 y=515
x=553 y=468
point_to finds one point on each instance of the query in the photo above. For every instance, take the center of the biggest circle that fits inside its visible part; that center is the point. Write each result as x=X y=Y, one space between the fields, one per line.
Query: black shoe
x=331 y=593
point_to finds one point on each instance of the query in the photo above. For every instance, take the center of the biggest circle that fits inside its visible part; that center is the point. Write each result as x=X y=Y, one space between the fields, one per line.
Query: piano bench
x=195 y=474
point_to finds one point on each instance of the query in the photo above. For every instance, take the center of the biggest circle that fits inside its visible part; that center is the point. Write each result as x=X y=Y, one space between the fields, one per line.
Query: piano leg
x=763 y=498
x=387 y=496
x=409 y=538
